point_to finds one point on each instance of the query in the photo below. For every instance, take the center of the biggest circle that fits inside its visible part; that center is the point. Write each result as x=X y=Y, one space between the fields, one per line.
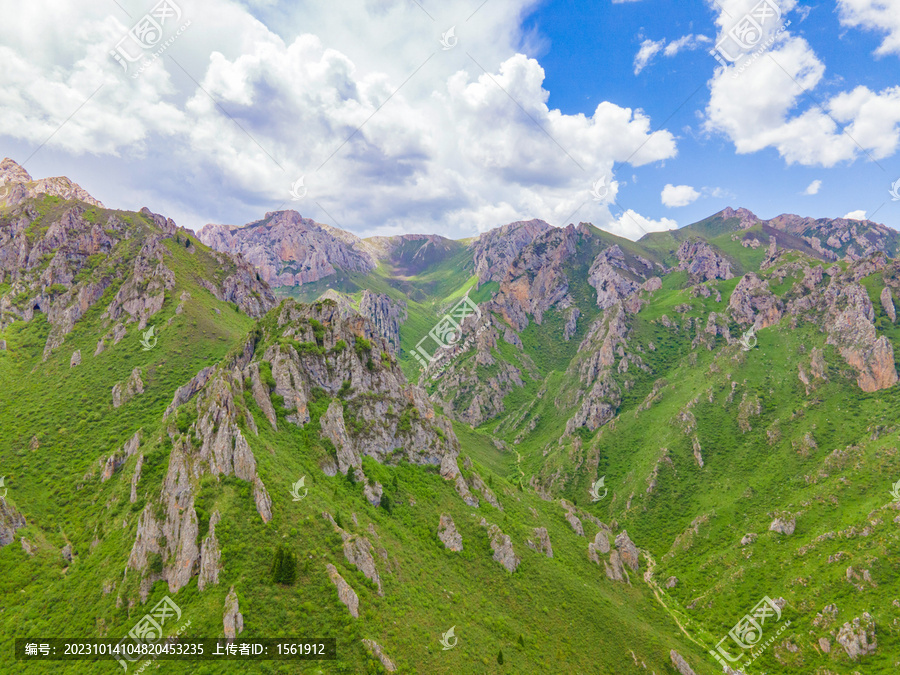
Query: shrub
x=500 y=657
x=362 y=345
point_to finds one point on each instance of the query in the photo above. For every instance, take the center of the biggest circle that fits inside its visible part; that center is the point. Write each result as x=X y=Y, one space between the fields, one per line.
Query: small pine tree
x=386 y=503
x=278 y=564
x=500 y=657
x=289 y=568
x=521 y=641
x=491 y=480
x=351 y=477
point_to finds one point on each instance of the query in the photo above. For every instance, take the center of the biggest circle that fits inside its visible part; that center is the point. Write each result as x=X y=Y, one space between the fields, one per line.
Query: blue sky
x=520 y=112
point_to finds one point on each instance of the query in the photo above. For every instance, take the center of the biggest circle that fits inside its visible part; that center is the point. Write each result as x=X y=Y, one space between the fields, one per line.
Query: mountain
x=587 y=453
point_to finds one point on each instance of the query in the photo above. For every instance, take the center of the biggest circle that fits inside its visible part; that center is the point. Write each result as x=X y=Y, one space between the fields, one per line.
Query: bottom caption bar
x=180 y=649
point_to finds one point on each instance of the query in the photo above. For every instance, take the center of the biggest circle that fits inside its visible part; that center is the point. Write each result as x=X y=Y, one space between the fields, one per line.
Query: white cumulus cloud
x=674 y=196
x=813 y=188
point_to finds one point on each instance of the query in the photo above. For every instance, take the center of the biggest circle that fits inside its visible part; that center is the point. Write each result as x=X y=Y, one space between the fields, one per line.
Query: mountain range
x=537 y=450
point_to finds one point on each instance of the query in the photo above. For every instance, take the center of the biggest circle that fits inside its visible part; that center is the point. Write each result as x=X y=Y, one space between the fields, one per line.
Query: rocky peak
x=17 y=185
x=289 y=250
x=494 y=251
x=747 y=217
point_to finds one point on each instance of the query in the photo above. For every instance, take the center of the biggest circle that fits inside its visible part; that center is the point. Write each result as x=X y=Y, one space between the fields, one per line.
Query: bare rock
x=373 y=493
x=378 y=652
x=628 y=551
x=385 y=315
x=573 y=520
x=233 y=620
x=784 y=525
x=887 y=302
x=680 y=664
x=67 y=552
x=752 y=302
x=448 y=533
x=482 y=487
x=502 y=547
x=76 y=359
x=857 y=637
x=702 y=262
x=358 y=552
x=671 y=582
x=601 y=541
x=614 y=568
x=122 y=393
x=748 y=539
x=210 y=555
x=825 y=645
x=345 y=594
x=543 y=542
x=10 y=521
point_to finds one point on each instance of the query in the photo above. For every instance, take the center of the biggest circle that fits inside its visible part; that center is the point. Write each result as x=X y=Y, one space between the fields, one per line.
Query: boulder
x=680 y=664
x=785 y=525
x=10 y=521
x=233 y=620
x=448 y=534
x=345 y=594
x=628 y=551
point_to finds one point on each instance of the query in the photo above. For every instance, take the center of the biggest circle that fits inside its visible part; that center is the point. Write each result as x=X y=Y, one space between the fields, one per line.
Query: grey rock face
x=857 y=637
x=385 y=315
x=448 y=534
x=542 y=545
x=289 y=250
x=358 y=552
x=345 y=594
x=378 y=652
x=373 y=493
x=752 y=302
x=76 y=359
x=785 y=526
x=494 y=251
x=614 y=569
x=124 y=392
x=702 y=262
x=887 y=302
x=501 y=544
x=232 y=620
x=627 y=550
x=210 y=555
x=680 y=664
x=10 y=521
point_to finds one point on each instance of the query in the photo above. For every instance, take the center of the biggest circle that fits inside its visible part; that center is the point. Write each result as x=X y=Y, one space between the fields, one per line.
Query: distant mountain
x=17 y=185
x=289 y=250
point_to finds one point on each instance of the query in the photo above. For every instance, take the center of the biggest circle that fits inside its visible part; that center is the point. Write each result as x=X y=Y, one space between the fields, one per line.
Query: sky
x=453 y=117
